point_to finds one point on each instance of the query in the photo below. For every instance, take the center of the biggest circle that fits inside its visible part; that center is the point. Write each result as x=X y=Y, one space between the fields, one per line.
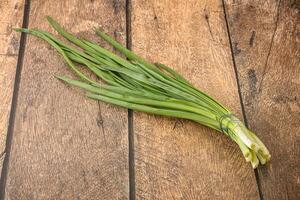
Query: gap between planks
x=131 y=164
x=258 y=182
x=10 y=129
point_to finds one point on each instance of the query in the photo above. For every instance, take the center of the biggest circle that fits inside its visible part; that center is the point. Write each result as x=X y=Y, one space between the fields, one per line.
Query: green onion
x=137 y=84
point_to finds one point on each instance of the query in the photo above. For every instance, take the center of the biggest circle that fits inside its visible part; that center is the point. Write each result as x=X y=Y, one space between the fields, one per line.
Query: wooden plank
x=179 y=159
x=64 y=145
x=11 y=16
x=266 y=38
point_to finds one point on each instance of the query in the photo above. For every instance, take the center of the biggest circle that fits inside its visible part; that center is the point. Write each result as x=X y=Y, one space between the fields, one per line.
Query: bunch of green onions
x=139 y=85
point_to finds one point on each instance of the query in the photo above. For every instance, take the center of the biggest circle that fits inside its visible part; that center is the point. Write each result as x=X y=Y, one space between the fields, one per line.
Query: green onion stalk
x=133 y=82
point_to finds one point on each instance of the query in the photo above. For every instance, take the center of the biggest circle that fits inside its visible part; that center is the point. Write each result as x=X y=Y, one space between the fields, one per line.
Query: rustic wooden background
x=56 y=144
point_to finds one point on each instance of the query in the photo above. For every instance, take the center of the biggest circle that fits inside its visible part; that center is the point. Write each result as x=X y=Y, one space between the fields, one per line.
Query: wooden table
x=56 y=144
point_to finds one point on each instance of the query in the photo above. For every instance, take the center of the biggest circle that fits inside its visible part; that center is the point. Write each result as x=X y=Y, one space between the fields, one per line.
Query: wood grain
x=179 y=159
x=11 y=16
x=64 y=145
x=266 y=39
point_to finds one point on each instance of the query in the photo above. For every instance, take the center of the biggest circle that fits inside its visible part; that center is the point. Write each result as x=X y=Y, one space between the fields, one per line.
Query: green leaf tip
x=54 y=24
x=25 y=30
x=51 y=20
x=61 y=78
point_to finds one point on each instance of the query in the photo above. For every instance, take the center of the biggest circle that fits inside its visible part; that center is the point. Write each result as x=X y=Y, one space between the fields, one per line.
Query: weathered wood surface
x=178 y=159
x=266 y=40
x=11 y=16
x=65 y=146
